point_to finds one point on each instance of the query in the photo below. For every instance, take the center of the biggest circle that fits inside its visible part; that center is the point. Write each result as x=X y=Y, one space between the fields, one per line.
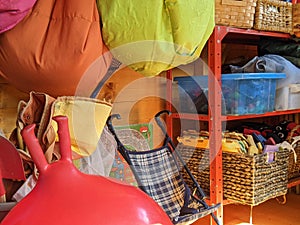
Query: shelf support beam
x=215 y=121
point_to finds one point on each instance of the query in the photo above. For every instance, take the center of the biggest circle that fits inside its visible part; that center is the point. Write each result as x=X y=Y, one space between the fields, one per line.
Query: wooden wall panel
x=136 y=98
x=9 y=100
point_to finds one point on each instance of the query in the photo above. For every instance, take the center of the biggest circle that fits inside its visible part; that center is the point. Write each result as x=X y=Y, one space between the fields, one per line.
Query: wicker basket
x=294 y=166
x=296 y=20
x=236 y=13
x=294 y=158
x=248 y=180
x=274 y=15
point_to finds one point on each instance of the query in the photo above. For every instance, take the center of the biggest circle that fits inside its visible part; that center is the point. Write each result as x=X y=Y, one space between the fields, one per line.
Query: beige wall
x=9 y=99
x=136 y=98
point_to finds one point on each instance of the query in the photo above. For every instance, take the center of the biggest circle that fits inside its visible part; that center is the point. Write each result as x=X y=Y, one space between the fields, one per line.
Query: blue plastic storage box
x=242 y=93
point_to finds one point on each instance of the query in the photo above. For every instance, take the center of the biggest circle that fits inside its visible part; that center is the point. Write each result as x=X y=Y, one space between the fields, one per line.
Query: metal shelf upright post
x=215 y=121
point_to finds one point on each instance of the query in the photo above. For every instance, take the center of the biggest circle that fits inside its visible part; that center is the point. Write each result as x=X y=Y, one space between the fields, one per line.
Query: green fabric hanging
x=154 y=36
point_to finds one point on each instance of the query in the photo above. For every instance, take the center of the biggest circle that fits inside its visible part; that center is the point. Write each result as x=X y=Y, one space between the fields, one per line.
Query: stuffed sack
x=154 y=36
x=53 y=47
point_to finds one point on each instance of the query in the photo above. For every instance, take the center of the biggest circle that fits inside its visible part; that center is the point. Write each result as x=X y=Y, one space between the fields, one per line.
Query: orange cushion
x=52 y=48
x=12 y=12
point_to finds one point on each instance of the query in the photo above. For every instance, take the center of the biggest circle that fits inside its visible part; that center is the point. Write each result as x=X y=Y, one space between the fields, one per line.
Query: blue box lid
x=236 y=76
x=246 y=76
x=203 y=81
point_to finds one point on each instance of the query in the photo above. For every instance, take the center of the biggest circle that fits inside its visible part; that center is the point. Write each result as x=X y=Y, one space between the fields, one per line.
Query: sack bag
x=36 y=111
x=12 y=12
x=87 y=118
x=53 y=47
x=153 y=36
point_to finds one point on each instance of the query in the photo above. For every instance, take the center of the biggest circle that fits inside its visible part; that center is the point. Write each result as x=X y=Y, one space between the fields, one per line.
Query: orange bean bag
x=12 y=12
x=52 y=49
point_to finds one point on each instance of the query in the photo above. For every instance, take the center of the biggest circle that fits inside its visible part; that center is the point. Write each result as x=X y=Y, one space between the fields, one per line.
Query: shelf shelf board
x=268 y=114
x=294 y=182
x=190 y=116
x=236 y=34
x=204 y=117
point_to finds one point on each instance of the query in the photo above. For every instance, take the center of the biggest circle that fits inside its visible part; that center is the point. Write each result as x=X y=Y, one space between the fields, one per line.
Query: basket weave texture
x=248 y=180
x=274 y=15
x=294 y=167
x=296 y=20
x=235 y=13
x=294 y=158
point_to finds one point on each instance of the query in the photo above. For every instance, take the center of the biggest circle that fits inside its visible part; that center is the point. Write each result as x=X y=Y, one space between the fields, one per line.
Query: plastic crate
x=242 y=93
x=288 y=97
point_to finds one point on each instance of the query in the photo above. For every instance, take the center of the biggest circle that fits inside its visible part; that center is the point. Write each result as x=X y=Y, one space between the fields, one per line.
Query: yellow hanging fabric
x=153 y=36
x=87 y=118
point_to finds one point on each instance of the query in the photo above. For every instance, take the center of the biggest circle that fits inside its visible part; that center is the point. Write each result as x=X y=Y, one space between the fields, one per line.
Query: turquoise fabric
x=153 y=36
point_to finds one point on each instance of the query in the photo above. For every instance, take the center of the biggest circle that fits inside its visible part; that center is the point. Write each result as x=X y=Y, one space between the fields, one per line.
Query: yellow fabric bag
x=87 y=118
x=153 y=36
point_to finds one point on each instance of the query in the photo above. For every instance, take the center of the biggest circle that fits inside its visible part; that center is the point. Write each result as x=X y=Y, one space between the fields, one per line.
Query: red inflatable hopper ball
x=63 y=195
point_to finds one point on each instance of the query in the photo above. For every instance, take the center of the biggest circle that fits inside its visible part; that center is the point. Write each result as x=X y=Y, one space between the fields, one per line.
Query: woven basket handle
x=234 y=2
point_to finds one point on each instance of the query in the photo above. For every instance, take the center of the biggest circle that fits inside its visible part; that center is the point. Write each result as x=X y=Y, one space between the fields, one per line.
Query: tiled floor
x=267 y=213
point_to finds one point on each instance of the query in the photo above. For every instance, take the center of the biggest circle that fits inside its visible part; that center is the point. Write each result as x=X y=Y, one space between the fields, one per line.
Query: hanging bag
x=153 y=36
x=51 y=49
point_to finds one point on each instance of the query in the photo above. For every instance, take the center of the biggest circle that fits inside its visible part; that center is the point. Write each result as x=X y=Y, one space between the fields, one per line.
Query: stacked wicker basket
x=296 y=20
x=267 y=15
x=294 y=159
x=248 y=180
x=235 y=13
x=274 y=15
x=294 y=162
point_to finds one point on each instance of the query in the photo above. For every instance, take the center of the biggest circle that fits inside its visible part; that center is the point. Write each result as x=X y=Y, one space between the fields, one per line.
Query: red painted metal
x=268 y=114
x=214 y=115
x=224 y=30
x=294 y=182
x=63 y=195
x=203 y=117
x=190 y=116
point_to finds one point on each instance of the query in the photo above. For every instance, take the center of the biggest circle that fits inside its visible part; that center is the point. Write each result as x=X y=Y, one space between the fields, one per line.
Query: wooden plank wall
x=9 y=99
x=136 y=98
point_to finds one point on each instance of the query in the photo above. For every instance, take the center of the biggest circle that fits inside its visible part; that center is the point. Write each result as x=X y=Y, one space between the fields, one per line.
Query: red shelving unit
x=222 y=34
x=229 y=34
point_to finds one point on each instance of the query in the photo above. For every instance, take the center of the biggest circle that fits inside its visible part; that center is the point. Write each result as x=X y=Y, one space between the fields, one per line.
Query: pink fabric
x=12 y=12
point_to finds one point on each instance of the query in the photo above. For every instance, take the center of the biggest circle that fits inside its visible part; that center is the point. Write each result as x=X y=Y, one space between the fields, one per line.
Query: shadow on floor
x=267 y=213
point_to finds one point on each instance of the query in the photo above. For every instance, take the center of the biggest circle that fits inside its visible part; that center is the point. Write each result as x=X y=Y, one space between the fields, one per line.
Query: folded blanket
x=271 y=63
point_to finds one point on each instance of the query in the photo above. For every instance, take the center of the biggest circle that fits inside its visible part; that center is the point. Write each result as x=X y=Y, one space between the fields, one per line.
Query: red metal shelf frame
x=203 y=117
x=215 y=117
